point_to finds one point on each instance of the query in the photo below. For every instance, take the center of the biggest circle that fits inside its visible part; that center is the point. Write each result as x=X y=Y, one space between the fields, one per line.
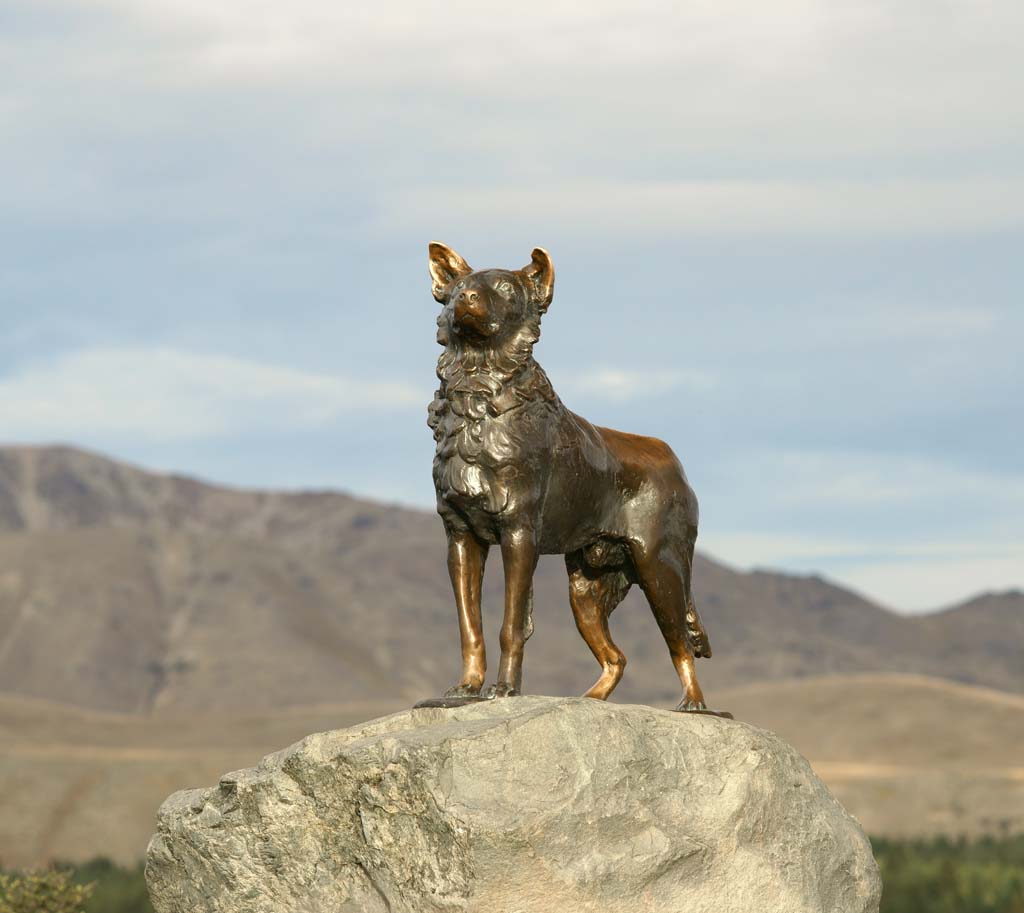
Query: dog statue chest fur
x=515 y=469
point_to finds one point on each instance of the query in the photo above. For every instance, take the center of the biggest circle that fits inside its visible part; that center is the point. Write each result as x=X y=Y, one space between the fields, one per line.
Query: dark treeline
x=115 y=889
x=919 y=876
x=952 y=876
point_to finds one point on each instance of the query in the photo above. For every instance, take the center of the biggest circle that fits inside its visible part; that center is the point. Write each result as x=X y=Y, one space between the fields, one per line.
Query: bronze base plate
x=448 y=702
x=724 y=714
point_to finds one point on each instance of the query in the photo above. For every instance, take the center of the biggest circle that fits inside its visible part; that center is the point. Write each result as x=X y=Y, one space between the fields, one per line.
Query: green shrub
x=51 y=891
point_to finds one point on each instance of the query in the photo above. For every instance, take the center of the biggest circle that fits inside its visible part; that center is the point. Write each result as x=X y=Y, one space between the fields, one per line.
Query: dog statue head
x=491 y=309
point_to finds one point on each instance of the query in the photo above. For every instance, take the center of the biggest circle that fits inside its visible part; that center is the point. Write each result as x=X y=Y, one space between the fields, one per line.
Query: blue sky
x=787 y=240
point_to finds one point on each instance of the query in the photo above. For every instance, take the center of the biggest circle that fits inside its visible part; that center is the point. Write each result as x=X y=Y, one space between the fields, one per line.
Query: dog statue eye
x=505 y=288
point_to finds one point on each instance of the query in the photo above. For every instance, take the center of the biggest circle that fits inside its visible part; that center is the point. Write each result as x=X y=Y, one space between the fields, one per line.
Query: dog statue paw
x=500 y=689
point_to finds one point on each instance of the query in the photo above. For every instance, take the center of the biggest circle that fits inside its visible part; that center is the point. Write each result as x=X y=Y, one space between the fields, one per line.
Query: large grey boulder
x=518 y=805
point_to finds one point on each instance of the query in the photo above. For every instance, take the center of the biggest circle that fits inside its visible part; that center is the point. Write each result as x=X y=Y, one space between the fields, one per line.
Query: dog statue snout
x=469 y=305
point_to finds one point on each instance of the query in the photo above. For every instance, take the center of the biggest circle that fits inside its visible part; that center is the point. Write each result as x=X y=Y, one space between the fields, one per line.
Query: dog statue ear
x=540 y=277
x=445 y=267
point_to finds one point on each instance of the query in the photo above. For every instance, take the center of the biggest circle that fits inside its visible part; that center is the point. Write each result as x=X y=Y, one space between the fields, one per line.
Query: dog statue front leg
x=466 y=557
x=519 y=556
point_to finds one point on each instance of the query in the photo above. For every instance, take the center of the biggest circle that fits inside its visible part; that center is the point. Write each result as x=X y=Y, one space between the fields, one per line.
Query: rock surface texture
x=518 y=805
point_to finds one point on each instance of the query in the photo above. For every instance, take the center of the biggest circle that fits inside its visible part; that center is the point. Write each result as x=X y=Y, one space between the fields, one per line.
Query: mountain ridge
x=129 y=590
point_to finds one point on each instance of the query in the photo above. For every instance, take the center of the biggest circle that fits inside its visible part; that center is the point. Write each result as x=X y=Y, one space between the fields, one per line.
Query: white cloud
x=912 y=576
x=621 y=385
x=870 y=479
x=750 y=550
x=881 y=117
x=162 y=393
x=810 y=45
x=861 y=322
x=869 y=207
x=939 y=533
x=937 y=583
x=766 y=549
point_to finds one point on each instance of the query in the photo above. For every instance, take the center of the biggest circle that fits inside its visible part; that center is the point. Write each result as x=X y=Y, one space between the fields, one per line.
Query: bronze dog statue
x=515 y=468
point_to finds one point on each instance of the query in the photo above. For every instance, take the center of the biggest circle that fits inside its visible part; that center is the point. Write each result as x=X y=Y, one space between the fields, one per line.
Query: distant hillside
x=126 y=590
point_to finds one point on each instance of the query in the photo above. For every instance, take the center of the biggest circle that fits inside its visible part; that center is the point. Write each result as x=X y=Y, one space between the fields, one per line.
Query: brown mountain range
x=131 y=591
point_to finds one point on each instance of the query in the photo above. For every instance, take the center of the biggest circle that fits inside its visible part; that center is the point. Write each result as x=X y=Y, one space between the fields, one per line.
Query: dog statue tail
x=695 y=632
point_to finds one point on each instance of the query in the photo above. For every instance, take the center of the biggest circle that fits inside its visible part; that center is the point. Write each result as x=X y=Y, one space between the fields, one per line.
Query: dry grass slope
x=907 y=755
